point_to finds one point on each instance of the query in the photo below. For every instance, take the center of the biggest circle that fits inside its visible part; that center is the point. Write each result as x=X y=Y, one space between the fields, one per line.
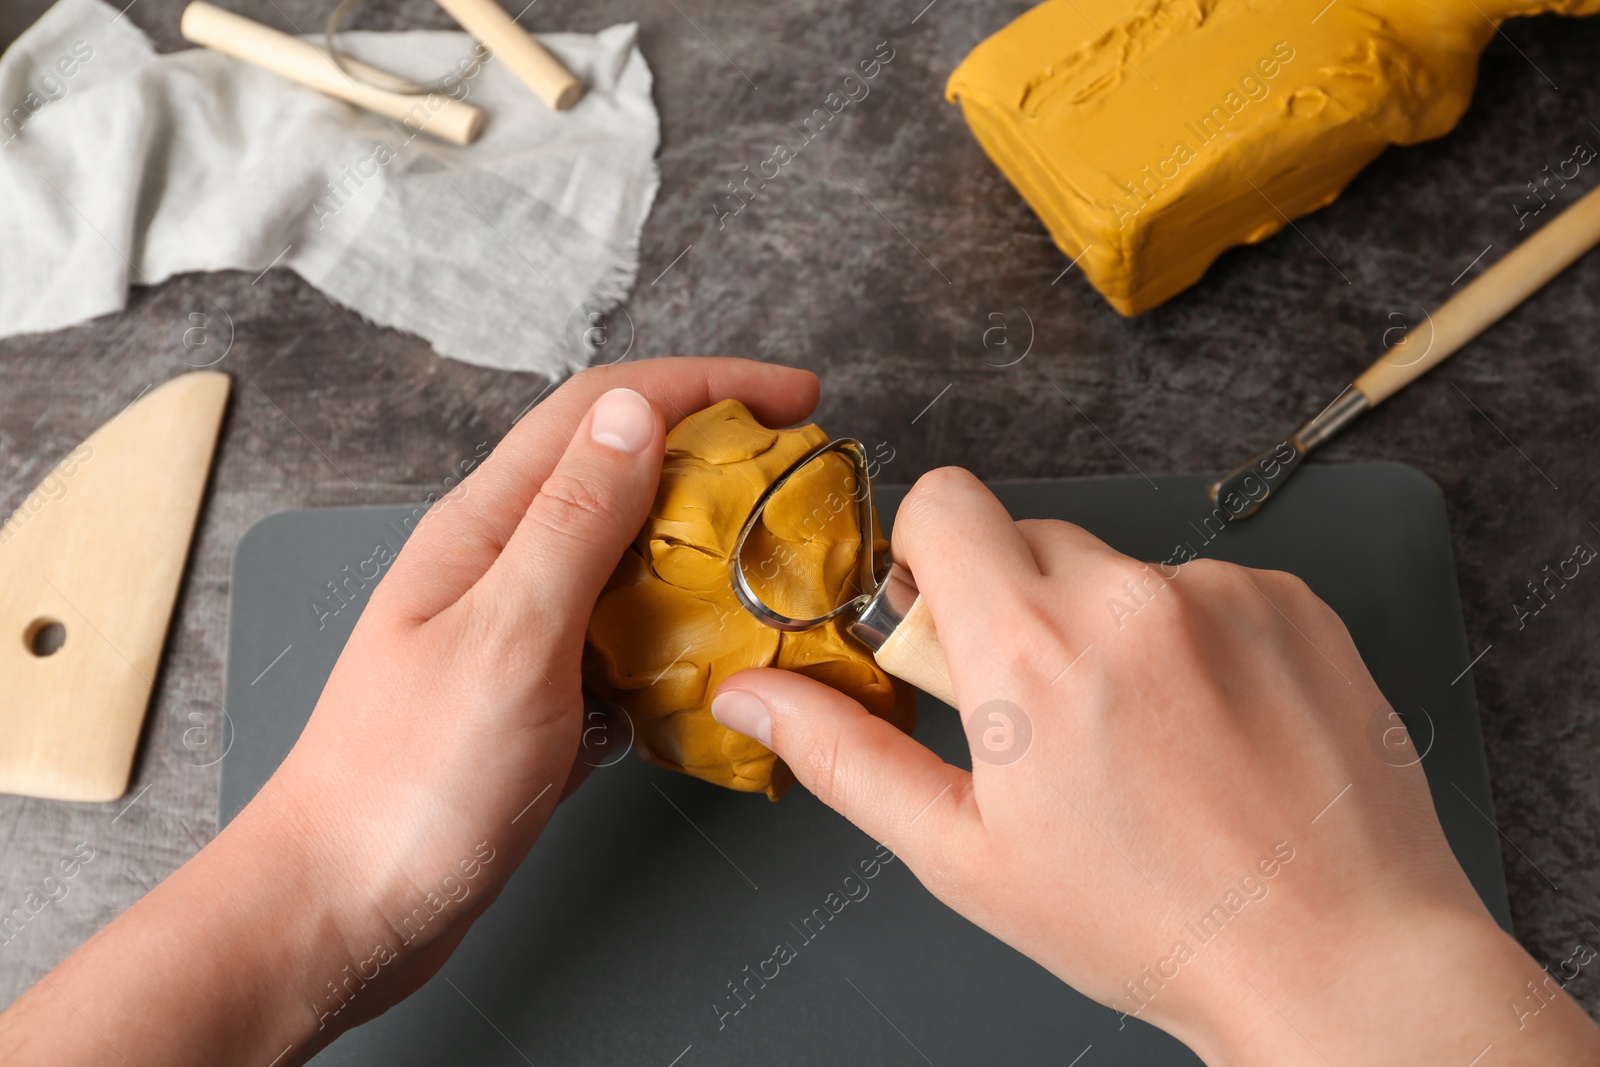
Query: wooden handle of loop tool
x=897 y=625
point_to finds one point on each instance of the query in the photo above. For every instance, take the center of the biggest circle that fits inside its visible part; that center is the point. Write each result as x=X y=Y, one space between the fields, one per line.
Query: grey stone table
x=878 y=258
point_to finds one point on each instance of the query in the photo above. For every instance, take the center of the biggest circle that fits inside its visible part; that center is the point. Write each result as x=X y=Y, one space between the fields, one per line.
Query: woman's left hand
x=435 y=756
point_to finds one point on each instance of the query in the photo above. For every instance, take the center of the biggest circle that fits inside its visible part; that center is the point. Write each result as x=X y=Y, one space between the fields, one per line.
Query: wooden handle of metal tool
x=515 y=47
x=303 y=62
x=1523 y=270
x=912 y=653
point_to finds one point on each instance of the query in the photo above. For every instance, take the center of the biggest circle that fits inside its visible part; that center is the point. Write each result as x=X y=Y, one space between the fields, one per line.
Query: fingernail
x=743 y=713
x=623 y=420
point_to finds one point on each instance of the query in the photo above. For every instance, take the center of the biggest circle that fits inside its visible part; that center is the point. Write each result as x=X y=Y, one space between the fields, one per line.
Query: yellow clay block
x=1151 y=137
x=668 y=629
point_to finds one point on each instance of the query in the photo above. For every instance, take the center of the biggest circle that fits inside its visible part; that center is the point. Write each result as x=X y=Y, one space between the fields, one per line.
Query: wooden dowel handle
x=301 y=61
x=912 y=653
x=1520 y=273
x=515 y=47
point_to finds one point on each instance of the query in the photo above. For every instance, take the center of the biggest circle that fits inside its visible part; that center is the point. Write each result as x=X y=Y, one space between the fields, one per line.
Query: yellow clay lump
x=668 y=629
x=1150 y=137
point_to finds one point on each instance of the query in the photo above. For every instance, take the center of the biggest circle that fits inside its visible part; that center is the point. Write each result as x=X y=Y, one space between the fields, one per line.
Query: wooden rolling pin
x=515 y=47
x=301 y=61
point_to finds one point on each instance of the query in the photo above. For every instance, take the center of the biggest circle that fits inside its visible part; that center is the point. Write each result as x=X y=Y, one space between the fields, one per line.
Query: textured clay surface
x=668 y=629
x=1152 y=137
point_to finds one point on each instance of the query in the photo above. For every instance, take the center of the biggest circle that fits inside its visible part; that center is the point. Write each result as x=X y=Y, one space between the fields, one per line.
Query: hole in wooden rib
x=44 y=637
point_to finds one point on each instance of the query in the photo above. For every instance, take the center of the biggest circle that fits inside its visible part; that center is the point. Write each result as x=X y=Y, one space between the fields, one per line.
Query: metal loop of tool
x=871 y=576
x=391 y=83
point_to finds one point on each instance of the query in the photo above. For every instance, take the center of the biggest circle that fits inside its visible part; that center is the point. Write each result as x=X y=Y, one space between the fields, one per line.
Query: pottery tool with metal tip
x=90 y=565
x=1549 y=251
x=890 y=617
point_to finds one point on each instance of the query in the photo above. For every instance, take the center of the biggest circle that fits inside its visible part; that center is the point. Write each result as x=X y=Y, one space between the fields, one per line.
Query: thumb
x=587 y=511
x=889 y=785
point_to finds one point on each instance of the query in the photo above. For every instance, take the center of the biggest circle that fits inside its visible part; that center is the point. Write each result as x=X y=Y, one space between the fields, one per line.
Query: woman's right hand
x=1174 y=805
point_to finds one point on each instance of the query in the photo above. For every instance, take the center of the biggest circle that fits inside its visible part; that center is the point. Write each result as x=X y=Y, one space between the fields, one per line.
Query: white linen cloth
x=120 y=165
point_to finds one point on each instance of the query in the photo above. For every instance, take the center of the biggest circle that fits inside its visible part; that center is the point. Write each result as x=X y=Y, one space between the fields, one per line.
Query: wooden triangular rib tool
x=98 y=550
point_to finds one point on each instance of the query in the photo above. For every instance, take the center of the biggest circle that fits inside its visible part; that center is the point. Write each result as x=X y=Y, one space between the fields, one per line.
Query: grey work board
x=650 y=891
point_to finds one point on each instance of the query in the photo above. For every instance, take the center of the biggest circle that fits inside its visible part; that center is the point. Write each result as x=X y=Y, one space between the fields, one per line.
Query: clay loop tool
x=890 y=617
x=1484 y=301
